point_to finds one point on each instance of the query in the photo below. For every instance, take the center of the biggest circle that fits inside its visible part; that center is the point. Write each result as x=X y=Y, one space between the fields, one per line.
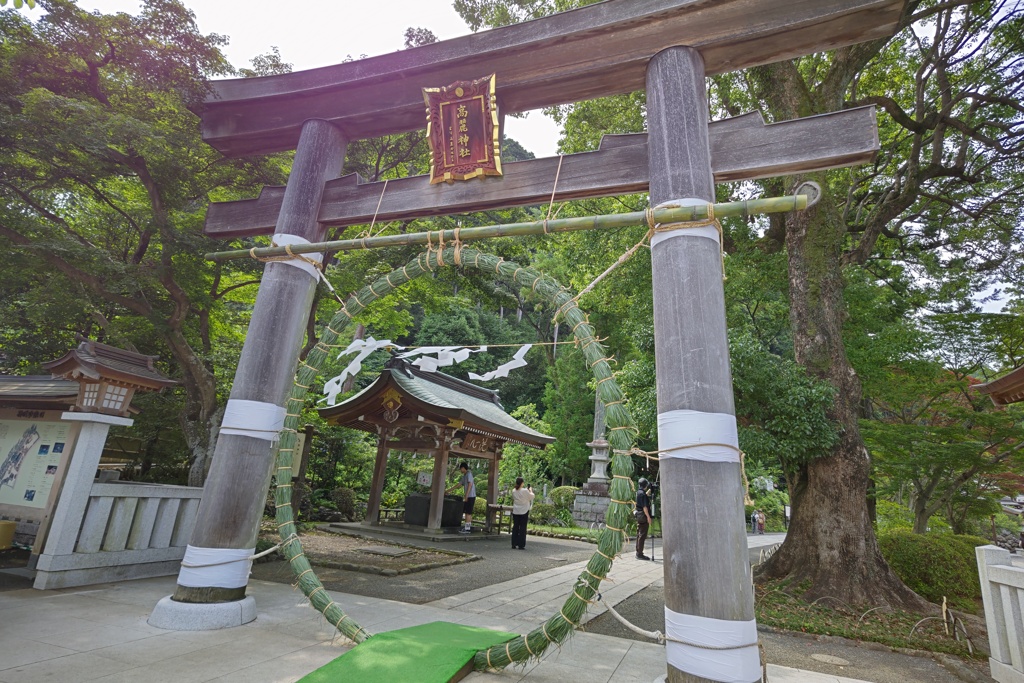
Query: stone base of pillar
x=191 y=616
x=591 y=503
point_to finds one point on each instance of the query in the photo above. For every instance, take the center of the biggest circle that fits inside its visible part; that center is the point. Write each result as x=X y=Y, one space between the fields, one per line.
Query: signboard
x=477 y=443
x=424 y=478
x=462 y=129
x=31 y=451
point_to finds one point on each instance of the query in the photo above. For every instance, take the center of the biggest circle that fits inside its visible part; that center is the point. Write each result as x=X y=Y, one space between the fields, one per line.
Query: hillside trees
x=103 y=186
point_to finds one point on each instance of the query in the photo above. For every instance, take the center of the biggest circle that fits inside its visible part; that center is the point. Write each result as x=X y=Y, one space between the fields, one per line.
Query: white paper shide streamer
x=362 y=348
x=729 y=653
x=503 y=370
x=446 y=356
x=695 y=435
x=257 y=419
x=215 y=567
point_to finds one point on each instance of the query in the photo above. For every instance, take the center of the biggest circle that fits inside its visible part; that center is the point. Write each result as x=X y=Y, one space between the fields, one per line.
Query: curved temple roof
x=1007 y=389
x=436 y=396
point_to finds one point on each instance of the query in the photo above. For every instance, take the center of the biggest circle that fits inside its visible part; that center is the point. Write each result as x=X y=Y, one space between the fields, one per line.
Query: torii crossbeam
x=667 y=47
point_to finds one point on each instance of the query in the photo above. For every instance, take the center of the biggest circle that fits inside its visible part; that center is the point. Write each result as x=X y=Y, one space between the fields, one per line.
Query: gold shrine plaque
x=462 y=129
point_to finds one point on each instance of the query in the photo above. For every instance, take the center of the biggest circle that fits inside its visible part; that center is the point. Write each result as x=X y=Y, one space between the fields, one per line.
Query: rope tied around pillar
x=709 y=222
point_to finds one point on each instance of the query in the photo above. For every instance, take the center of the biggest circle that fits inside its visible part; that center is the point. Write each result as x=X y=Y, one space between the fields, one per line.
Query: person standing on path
x=643 y=517
x=468 y=495
x=760 y=522
x=522 y=501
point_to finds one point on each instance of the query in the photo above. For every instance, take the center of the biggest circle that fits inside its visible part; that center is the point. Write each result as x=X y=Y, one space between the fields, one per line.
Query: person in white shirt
x=522 y=501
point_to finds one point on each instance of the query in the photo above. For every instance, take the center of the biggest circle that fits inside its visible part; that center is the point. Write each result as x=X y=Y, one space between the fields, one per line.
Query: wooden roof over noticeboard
x=99 y=361
x=40 y=392
x=593 y=51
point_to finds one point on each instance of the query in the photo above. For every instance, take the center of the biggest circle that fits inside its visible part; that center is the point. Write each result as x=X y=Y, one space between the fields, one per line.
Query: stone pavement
x=100 y=633
x=534 y=598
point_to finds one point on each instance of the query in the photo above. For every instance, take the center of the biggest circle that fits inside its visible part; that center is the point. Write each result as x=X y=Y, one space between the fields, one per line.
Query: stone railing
x=128 y=531
x=1002 y=589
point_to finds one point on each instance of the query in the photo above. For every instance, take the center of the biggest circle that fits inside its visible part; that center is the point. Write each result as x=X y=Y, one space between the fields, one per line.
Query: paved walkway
x=100 y=633
x=535 y=597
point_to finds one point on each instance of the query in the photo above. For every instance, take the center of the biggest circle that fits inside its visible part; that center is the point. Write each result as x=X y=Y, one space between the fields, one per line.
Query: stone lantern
x=107 y=376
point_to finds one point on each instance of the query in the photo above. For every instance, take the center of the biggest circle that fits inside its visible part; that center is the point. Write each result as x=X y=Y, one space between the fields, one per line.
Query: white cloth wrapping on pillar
x=733 y=655
x=709 y=231
x=695 y=435
x=252 y=418
x=215 y=567
x=285 y=239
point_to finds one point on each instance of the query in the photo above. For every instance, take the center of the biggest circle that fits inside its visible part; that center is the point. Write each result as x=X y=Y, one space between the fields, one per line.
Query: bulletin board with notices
x=34 y=445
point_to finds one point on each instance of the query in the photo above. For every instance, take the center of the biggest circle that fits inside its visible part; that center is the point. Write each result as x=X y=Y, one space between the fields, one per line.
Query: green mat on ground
x=431 y=653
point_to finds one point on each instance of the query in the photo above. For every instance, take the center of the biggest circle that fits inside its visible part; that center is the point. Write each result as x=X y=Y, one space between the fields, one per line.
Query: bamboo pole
x=620 y=220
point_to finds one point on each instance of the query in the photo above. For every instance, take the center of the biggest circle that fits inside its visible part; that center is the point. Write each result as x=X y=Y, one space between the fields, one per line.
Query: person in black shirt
x=643 y=516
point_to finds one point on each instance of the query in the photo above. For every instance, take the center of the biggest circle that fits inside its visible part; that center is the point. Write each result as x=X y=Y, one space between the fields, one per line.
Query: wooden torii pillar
x=618 y=46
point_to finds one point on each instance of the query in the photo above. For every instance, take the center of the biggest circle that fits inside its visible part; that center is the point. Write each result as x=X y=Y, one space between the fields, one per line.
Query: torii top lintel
x=593 y=51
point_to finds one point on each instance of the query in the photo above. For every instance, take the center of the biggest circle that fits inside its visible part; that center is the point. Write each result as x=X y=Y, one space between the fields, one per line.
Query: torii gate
x=667 y=47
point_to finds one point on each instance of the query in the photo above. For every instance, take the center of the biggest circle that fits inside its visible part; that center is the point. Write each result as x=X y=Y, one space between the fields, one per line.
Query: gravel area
x=373 y=556
x=497 y=563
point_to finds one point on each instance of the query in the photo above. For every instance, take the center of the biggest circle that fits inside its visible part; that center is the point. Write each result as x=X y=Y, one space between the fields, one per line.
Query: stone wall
x=591 y=504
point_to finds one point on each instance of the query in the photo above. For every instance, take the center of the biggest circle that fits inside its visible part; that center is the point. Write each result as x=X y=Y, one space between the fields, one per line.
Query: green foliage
x=570 y=415
x=773 y=505
x=891 y=517
x=544 y=513
x=934 y=435
x=784 y=411
x=522 y=461
x=105 y=184
x=339 y=457
x=344 y=500
x=563 y=496
x=936 y=565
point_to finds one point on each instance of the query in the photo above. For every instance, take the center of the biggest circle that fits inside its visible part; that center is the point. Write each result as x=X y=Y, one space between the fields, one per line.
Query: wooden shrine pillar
x=216 y=564
x=492 y=484
x=439 y=481
x=377 y=482
x=708 y=596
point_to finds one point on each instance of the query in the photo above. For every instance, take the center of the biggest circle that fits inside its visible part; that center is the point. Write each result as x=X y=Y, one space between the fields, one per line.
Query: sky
x=314 y=33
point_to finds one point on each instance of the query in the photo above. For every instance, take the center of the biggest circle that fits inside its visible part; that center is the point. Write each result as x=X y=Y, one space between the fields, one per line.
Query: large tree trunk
x=200 y=418
x=831 y=542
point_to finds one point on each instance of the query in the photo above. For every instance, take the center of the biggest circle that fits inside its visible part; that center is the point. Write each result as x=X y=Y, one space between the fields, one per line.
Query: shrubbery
x=344 y=500
x=563 y=497
x=543 y=513
x=936 y=565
